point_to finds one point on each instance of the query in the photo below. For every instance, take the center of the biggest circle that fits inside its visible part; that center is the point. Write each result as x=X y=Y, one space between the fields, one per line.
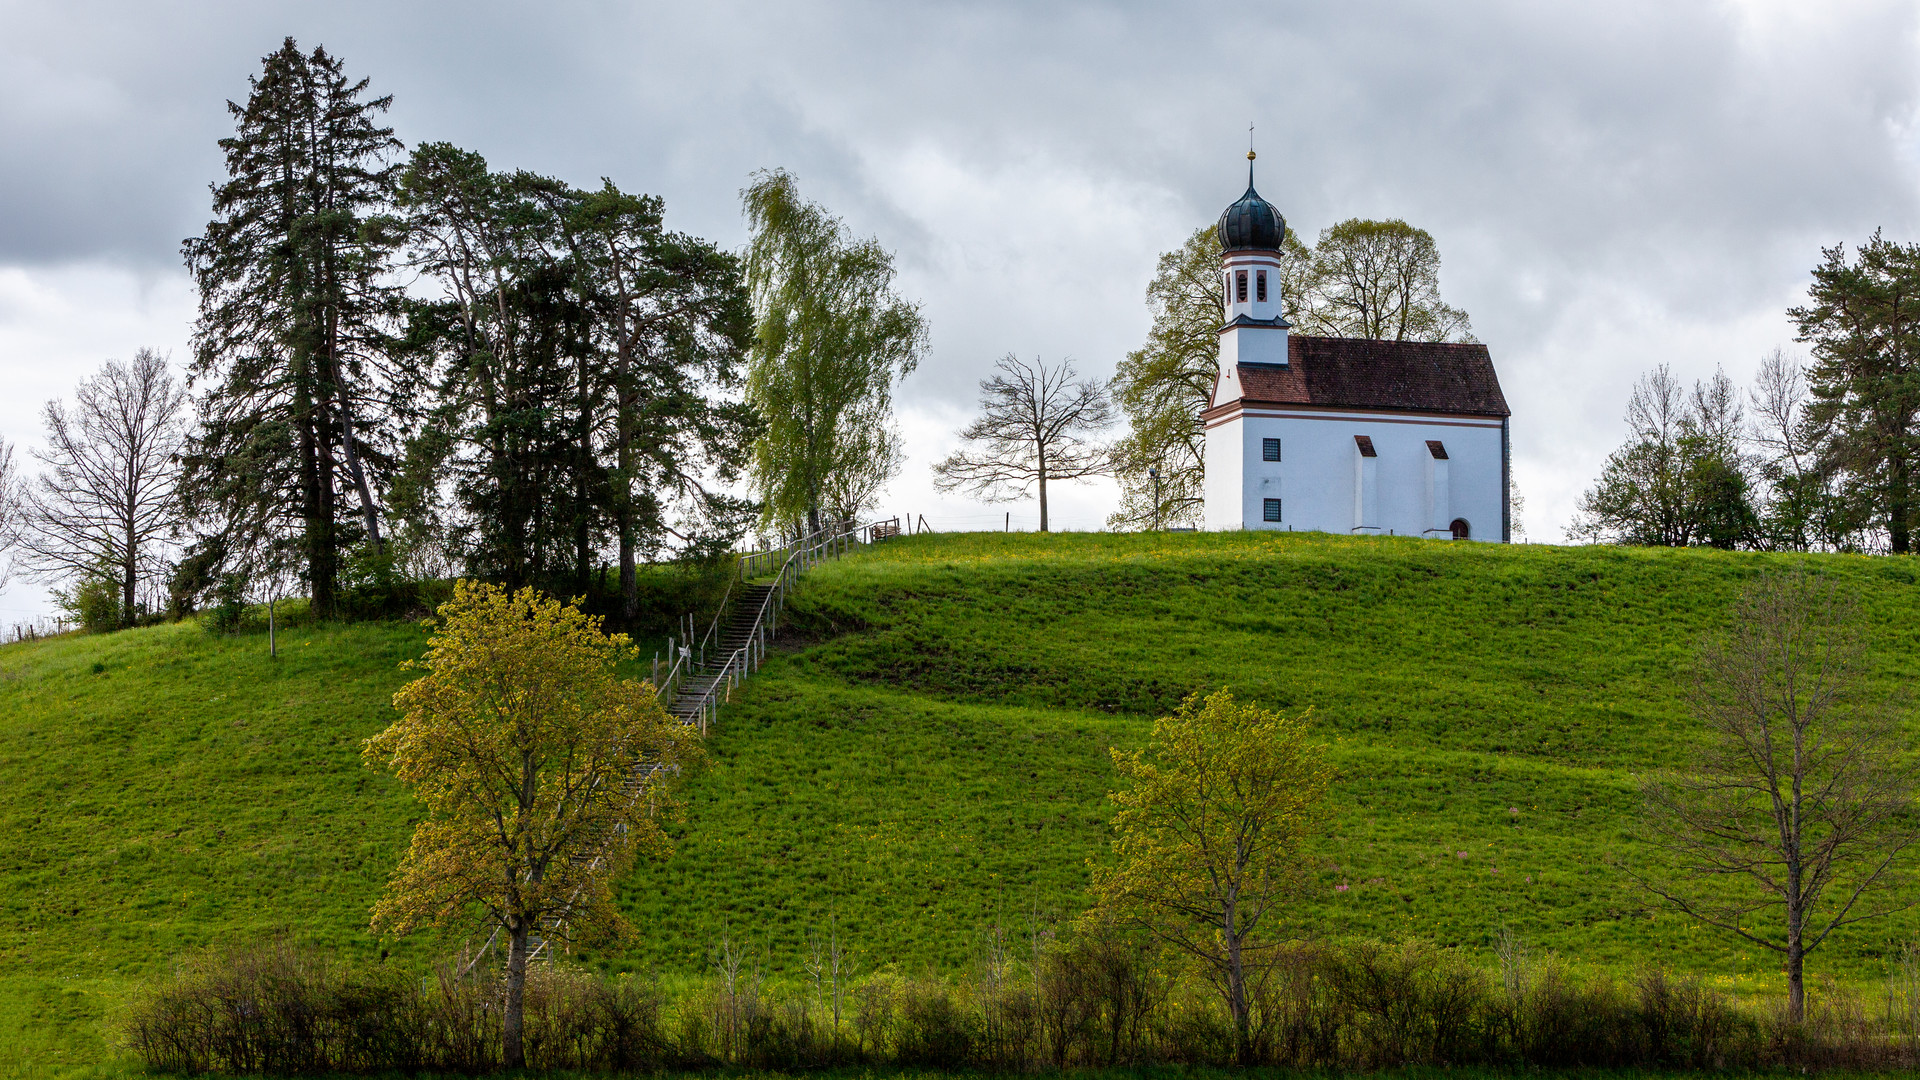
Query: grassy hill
x=925 y=756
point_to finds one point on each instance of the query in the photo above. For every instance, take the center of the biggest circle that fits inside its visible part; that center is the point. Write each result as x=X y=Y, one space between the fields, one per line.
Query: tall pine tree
x=294 y=298
x=1862 y=319
x=674 y=324
x=587 y=353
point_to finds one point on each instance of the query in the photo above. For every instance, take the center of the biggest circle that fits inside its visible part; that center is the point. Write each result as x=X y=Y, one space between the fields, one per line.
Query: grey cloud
x=1611 y=185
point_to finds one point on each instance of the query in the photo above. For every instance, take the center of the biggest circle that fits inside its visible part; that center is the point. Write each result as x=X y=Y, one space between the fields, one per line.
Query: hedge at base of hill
x=1101 y=997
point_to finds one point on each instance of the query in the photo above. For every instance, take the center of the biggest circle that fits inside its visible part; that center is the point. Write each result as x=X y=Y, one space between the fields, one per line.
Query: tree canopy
x=1163 y=386
x=1036 y=425
x=1862 y=320
x=1210 y=835
x=1682 y=477
x=1375 y=279
x=108 y=504
x=589 y=359
x=1795 y=818
x=1366 y=279
x=544 y=775
x=831 y=337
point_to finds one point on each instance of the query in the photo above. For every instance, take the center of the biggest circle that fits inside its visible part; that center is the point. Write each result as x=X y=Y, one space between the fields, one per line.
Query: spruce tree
x=1862 y=320
x=294 y=299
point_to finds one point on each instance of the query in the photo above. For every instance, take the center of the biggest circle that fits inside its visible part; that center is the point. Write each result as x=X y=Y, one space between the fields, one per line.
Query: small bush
x=229 y=605
x=278 y=1010
x=373 y=586
x=94 y=602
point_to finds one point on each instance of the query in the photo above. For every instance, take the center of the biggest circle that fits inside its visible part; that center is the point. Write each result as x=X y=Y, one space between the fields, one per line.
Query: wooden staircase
x=742 y=630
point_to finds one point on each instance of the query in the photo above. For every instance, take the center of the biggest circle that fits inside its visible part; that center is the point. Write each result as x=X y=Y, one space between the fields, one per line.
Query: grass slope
x=925 y=755
x=936 y=758
x=166 y=789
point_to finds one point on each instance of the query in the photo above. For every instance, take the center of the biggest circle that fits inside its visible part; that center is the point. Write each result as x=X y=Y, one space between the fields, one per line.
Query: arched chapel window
x=1461 y=530
x=1240 y=285
x=1260 y=286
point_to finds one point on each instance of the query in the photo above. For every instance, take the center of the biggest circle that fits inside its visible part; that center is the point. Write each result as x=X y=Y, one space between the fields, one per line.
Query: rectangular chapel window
x=1240 y=286
x=1260 y=286
x=1270 y=449
x=1270 y=509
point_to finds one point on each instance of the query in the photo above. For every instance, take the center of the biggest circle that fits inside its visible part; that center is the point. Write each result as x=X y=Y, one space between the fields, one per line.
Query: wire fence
x=45 y=626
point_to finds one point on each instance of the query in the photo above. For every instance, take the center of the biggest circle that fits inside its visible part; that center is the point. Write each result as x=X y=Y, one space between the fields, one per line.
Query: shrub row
x=1104 y=1000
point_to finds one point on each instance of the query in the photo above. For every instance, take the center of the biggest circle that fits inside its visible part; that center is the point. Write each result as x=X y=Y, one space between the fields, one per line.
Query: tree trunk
x=1796 y=983
x=130 y=556
x=513 y=1049
x=127 y=581
x=326 y=572
x=629 y=582
x=1237 y=994
x=317 y=537
x=583 y=464
x=354 y=472
x=368 y=509
x=1796 y=946
x=1042 y=449
x=623 y=490
x=1899 y=503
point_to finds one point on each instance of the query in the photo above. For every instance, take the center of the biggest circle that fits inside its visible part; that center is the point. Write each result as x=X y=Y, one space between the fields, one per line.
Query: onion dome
x=1252 y=223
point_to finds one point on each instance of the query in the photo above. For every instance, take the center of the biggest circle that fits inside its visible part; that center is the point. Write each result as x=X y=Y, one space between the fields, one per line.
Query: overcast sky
x=1611 y=186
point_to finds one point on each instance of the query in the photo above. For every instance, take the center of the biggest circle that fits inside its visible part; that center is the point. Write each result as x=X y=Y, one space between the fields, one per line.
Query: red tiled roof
x=1358 y=373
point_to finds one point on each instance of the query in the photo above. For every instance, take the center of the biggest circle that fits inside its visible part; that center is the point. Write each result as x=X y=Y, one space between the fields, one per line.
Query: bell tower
x=1255 y=329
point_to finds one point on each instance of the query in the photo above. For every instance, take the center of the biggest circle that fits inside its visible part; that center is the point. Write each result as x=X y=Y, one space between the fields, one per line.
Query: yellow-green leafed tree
x=1209 y=834
x=532 y=757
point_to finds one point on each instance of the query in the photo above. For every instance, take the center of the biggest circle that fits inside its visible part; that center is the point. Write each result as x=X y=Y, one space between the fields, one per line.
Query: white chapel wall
x=1223 y=506
x=1324 y=485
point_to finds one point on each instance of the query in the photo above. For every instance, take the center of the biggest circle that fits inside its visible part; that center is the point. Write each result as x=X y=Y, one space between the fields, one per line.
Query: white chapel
x=1344 y=435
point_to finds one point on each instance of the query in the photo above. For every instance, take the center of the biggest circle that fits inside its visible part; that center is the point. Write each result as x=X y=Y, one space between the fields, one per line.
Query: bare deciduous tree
x=1805 y=510
x=12 y=494
x=1794 y=820
x=107 y=500
x=1682 y=477
x=1034 y=427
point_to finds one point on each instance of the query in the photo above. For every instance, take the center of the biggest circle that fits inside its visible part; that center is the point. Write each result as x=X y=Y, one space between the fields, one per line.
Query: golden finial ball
x=1249 y=155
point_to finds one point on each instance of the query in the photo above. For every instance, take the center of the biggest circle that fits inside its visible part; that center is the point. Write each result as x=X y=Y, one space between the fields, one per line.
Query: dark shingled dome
x=1251 y=224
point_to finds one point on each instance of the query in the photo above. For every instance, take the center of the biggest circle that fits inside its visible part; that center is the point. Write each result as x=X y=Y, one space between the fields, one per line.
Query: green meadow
x=930 y=759
x=926 y=757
